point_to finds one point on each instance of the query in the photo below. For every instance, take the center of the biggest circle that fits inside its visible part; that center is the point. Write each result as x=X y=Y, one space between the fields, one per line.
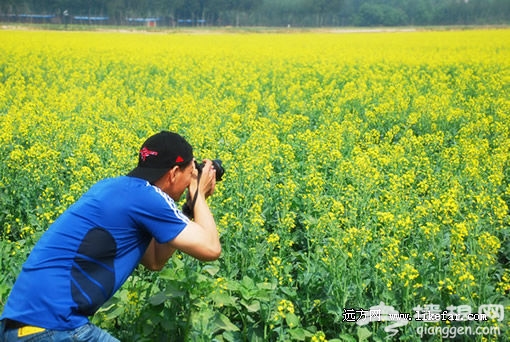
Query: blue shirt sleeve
x=160 y=216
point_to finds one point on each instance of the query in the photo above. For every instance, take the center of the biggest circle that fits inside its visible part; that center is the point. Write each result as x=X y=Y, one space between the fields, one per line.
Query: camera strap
x=189 y=206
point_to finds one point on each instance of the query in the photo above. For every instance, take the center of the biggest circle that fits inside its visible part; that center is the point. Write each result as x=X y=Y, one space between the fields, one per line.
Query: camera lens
x=219 y=169
x=217 y=164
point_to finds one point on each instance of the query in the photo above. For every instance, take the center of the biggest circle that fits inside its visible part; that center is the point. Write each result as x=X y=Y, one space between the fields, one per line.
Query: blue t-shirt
x=89 y=252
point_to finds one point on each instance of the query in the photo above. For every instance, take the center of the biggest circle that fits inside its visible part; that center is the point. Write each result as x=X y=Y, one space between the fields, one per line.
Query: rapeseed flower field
x=367 y=174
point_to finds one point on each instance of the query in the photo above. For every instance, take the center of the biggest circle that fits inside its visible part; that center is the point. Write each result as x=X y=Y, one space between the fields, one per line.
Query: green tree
x=240 y=6
x=325 y=11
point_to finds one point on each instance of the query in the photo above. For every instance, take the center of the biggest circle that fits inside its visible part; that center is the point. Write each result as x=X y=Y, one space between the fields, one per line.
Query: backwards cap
x=159 y=153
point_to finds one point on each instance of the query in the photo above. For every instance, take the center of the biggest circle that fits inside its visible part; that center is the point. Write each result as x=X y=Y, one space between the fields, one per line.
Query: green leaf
x=229 y=336
x=119 y=310
x=292 y=320
x=222 y=322
x=224 y=299
x=172 y=291
x=161 y=297
x=347 y=338
x=200 y=278
x=266 y=286
x=167 y=274
x=232 y=285
x=298 y=334
x=178 y=263
x=247 y=282
x=148 y=329
x=290 y=292
x=255 y=334
x=211 y=269
x=247 y=288
x=363 y=334
x=157 y=299
x=253 y=306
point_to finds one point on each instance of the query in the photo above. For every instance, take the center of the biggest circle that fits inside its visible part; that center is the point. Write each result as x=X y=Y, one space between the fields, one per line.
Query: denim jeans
x=87 y=332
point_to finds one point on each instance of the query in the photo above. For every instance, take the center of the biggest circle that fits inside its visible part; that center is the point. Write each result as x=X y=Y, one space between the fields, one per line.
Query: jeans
x=87 y=332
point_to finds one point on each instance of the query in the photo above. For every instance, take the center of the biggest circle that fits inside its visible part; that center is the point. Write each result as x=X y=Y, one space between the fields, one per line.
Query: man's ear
x=172 y=174
x=167 y=179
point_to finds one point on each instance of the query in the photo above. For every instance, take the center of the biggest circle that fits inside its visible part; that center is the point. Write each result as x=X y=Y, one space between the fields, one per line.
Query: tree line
x=295 y=13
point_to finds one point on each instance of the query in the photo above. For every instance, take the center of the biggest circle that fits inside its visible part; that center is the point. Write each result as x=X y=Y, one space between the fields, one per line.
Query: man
x=93 y=247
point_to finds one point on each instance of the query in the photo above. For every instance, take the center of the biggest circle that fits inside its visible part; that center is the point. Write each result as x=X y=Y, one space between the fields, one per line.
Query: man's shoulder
x=122 y=182
x=139 y=188
x=120 y=189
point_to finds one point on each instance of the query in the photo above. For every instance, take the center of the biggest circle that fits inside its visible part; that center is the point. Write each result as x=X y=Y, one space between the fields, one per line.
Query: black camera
x=187 y=208
x=217 y=164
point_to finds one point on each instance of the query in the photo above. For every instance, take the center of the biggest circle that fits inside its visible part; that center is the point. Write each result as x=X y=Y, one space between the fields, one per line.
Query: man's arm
x=200 y=238
x=156 y=255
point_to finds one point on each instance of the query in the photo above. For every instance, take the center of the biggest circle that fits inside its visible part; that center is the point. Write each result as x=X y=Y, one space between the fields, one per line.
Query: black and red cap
x=159 y=153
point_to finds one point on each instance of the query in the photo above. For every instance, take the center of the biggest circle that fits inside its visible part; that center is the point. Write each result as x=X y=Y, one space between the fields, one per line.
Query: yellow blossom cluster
x=284 y=307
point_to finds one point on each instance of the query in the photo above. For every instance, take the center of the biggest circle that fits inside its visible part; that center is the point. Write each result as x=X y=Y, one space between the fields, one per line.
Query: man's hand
x=200 y=238
x=207 y=181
